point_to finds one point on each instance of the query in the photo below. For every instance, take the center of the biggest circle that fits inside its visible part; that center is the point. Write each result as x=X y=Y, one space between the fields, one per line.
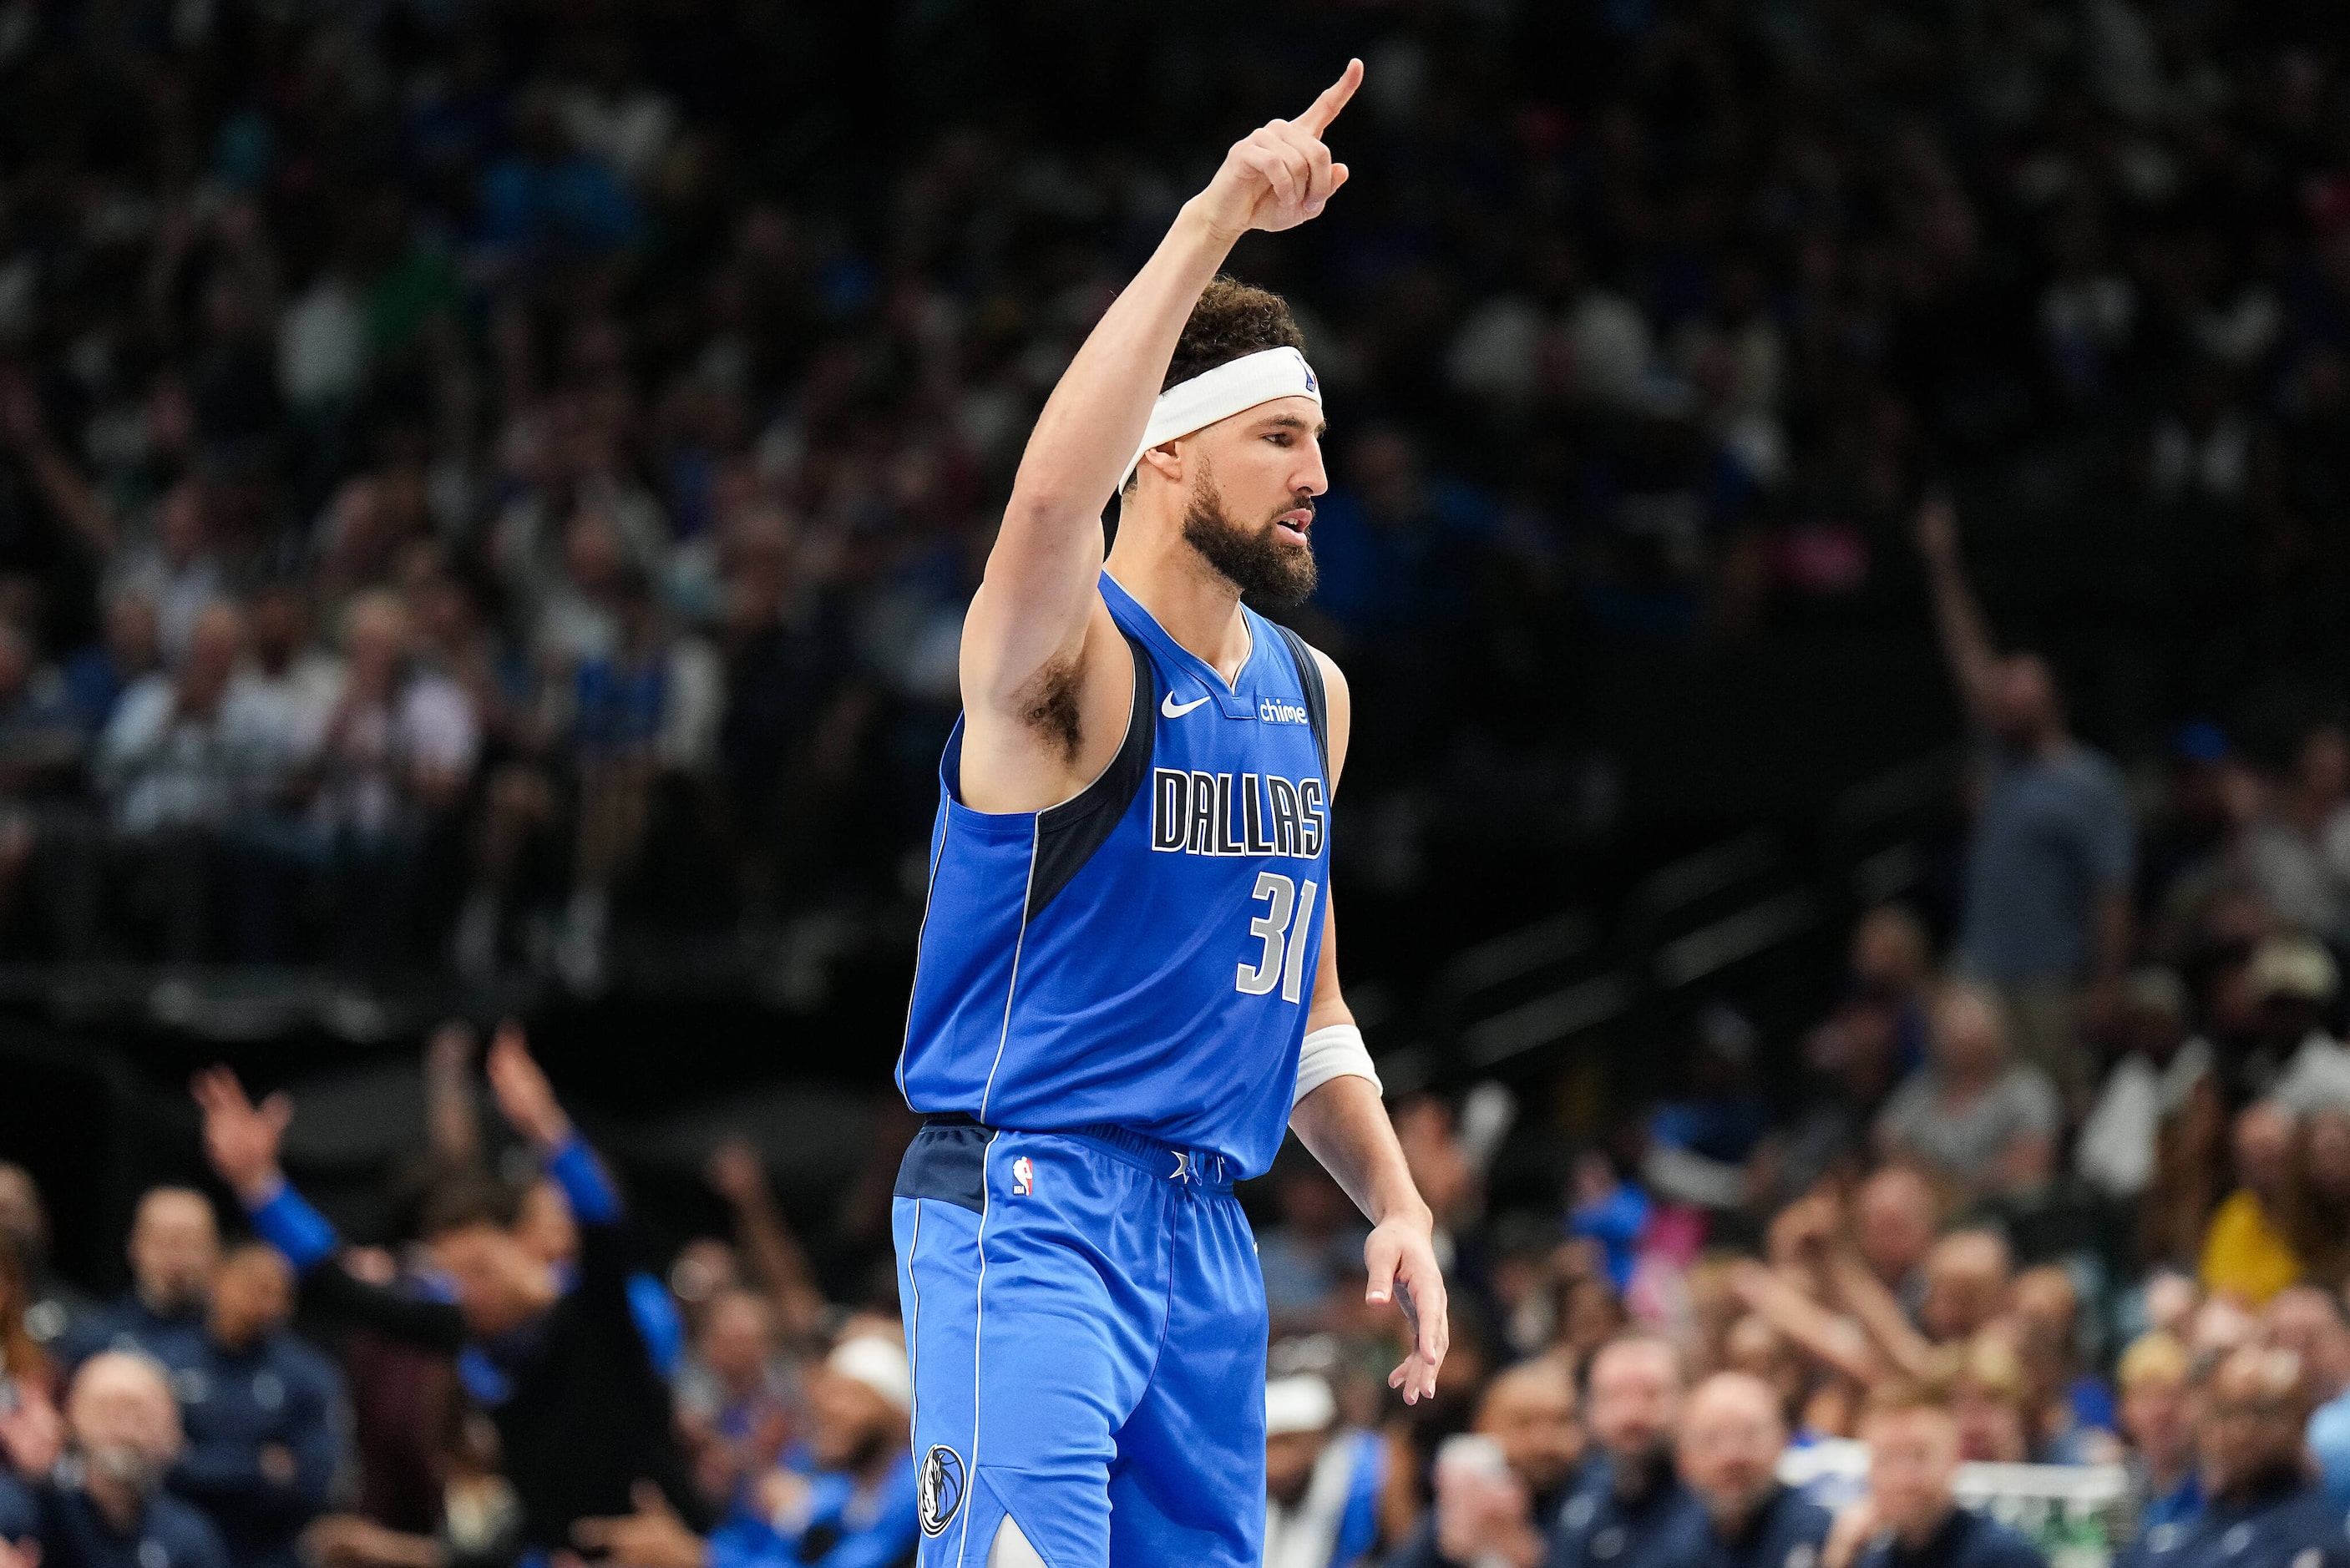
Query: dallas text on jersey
x=1207 y=814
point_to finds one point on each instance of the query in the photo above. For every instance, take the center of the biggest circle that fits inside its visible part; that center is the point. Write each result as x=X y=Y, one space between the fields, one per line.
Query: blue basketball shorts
x=1086 y=1324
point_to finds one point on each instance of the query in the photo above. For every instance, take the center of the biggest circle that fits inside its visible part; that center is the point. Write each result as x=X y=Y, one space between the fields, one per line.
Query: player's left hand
x=1402 y=1258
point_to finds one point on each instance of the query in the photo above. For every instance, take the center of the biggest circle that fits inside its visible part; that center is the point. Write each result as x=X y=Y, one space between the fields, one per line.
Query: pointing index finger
x=1316 y=118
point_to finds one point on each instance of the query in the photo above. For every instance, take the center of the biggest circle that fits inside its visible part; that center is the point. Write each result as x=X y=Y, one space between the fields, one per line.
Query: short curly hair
x=1232 y=319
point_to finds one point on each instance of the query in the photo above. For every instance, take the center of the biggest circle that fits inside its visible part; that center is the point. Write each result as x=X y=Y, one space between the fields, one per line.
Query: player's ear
x=1165 y=460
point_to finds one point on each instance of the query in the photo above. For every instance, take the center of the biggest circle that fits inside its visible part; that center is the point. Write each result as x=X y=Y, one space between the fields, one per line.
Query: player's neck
x=1197 y=606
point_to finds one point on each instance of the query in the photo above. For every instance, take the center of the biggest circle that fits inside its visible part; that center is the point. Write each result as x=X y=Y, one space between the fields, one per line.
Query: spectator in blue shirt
x=857 y=1508
x=2157 y=1418
x=548 y=201
x=1699 y=1140
x=2049 y=864
x=1323 y=1481
x=19 y=1518
x=174 y=1248
x=1912 y=1517
x=2265 y=1509
x=260 y=1410
x=2308 y=1322
x=96 y=675
x=1310 y=1252
x=1731 y=1440
x=1611 y=1211
x=1631 y=1510
x=103 y=1505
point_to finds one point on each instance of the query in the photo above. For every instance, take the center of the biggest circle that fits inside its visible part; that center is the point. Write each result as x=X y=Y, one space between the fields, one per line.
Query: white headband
x=1231 y=387
x=880 y=1363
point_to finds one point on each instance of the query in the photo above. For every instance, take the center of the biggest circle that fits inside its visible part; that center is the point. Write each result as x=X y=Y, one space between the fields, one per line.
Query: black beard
x=1639 y=1474
x=1264 y=570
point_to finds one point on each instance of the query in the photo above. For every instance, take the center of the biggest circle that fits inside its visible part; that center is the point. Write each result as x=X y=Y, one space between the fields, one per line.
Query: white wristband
x=1335 y=1052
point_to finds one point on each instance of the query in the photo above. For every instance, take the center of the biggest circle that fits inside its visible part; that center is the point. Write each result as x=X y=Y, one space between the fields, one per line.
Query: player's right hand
x=1399 y=1257
x=1280 y=174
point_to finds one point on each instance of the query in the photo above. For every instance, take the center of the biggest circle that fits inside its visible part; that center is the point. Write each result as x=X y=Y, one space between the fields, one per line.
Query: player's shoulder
x=1334 y=680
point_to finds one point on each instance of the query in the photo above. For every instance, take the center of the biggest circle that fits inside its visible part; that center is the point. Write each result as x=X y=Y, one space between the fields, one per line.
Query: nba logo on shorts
x=1023 y=1177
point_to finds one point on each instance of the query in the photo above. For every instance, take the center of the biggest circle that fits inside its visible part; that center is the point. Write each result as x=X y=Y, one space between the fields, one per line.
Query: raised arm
x=240 y=1139
x=452 y=1130
x=1840 y=1346
x=1879 y=1314
x=772 y=1254
x=1026 y=644
x=69 y=493
x=1967 y=644
x=527 y=1102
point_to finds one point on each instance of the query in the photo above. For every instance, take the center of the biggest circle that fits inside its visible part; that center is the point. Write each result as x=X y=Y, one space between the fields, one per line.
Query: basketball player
x=1126 y=988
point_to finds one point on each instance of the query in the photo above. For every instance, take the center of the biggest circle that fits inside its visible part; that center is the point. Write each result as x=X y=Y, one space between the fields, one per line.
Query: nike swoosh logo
x=1175 y=710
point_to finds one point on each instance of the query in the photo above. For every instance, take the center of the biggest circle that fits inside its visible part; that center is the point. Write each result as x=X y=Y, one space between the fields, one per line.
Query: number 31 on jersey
x=1283 y=961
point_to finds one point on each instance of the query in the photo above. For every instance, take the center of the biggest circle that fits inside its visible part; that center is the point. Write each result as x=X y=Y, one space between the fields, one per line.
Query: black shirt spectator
x=581 y=1409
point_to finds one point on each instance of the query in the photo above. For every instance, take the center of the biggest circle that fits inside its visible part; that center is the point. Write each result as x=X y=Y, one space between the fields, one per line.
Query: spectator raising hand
x=524 y=1095
x=242 y=1138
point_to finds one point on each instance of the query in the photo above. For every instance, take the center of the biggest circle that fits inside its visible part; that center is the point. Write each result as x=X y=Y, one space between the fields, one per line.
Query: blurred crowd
x=516 y=1374
x=2040 y=1255
x=479 y=478
x=486 y=482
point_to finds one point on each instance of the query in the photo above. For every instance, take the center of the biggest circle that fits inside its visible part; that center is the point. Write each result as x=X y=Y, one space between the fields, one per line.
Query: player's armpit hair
x=1049 y=706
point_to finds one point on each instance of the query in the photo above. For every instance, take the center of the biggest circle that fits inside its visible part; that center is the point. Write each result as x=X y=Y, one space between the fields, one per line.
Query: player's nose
x=1312 y=478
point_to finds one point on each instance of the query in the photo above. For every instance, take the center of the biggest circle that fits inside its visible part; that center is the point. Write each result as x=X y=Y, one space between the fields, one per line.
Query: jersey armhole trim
x=1309 y=680
x=1068 y=834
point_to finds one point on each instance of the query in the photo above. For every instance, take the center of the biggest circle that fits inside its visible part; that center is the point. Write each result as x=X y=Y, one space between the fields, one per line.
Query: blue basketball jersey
x=1141 y=955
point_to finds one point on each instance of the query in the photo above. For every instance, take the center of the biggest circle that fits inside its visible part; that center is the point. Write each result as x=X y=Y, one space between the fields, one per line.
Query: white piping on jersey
x=905 y=1037
x=978 y=1341
x=914 y=1344
x=1230 y=688
x=1027 y=895
x=1125 y=726
x=1012 y=986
